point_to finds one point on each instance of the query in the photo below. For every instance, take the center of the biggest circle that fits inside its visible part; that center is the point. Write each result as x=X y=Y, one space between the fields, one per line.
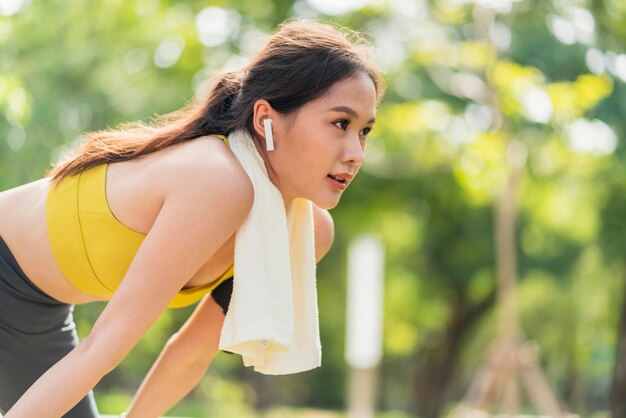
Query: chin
x=324 y=199
x=325 y=203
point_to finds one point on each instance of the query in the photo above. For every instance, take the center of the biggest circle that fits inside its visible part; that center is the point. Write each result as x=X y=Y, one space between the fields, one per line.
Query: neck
x=287 y=199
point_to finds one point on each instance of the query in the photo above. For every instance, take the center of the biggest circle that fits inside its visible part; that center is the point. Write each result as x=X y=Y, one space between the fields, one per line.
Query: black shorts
x=222 y=294
x=36 y=331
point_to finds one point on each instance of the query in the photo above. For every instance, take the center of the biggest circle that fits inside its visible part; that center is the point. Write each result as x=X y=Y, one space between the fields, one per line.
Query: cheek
x=307 y=155
x=293 y=164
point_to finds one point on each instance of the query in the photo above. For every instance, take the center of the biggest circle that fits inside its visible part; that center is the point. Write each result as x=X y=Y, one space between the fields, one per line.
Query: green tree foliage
x=474 y=86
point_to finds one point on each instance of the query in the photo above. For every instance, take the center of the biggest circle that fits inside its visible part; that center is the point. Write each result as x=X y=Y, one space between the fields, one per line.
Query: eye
x=365 y=132
x=341 y=124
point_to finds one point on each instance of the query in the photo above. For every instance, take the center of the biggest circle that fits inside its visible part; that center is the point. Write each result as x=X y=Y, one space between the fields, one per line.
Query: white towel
x=272 y=319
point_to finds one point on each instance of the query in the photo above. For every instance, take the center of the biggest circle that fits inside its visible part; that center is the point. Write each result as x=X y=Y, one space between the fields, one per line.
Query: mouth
x=340 y=180
x=343 y=177
x=337 y=178
x=337 y=183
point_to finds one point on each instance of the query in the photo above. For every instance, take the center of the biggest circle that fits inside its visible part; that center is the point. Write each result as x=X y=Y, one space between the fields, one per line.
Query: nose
x=355 y=150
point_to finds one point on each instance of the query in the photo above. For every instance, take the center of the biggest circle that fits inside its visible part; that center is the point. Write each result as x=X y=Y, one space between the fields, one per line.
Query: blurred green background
x=469 y=82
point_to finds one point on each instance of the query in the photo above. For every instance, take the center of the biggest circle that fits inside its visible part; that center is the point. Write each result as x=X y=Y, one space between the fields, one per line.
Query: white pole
x=364 y=323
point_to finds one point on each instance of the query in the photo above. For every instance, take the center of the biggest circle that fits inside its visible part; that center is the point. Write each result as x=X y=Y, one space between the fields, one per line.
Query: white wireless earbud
x=269 y=138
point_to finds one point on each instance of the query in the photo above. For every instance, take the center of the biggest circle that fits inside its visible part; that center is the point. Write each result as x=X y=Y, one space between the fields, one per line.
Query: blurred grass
x=113 y=403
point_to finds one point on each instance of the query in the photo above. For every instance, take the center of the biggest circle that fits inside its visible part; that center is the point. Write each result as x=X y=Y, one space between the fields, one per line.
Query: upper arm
x=324 y=231
x=196 y=219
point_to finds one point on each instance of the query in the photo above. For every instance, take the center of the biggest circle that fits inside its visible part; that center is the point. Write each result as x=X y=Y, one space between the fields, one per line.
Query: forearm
x=63 y=385
x=170 y=379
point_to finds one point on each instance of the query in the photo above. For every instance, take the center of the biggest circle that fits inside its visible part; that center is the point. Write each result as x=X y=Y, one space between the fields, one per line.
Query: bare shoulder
x=208 y=153
x=324 y=231
x=322 y=218
x=205 y=167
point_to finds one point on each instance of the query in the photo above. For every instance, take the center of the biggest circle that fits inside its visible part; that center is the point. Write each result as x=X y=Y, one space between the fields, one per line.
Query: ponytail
x=134 y=140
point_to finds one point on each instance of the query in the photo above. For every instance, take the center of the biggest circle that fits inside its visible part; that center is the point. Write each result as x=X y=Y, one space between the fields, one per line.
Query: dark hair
x=300 y=62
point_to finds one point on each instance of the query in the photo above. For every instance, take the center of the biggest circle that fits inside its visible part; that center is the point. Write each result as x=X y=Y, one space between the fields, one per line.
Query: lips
x=336 y=183
x=341 y=177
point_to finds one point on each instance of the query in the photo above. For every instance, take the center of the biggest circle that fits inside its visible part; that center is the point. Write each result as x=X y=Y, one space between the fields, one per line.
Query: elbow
x=103 y=354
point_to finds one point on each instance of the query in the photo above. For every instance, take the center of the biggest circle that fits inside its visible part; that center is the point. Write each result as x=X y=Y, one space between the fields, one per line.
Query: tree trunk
x=432 y=380
x=618 y=389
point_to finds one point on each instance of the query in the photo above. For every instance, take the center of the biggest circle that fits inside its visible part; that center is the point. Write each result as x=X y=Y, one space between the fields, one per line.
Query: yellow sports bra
x=92 y=248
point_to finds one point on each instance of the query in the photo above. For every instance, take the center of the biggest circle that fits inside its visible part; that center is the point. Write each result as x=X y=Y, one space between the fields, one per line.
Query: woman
x=158 y=209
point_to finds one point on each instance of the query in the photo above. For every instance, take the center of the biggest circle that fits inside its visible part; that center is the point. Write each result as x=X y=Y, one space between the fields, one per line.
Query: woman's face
x=324 y=138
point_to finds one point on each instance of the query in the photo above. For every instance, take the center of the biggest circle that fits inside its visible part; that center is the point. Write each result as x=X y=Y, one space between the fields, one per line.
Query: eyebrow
x=350 y=112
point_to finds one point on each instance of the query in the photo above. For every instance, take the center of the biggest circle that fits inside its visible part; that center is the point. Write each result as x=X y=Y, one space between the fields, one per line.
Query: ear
x=262 y=110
